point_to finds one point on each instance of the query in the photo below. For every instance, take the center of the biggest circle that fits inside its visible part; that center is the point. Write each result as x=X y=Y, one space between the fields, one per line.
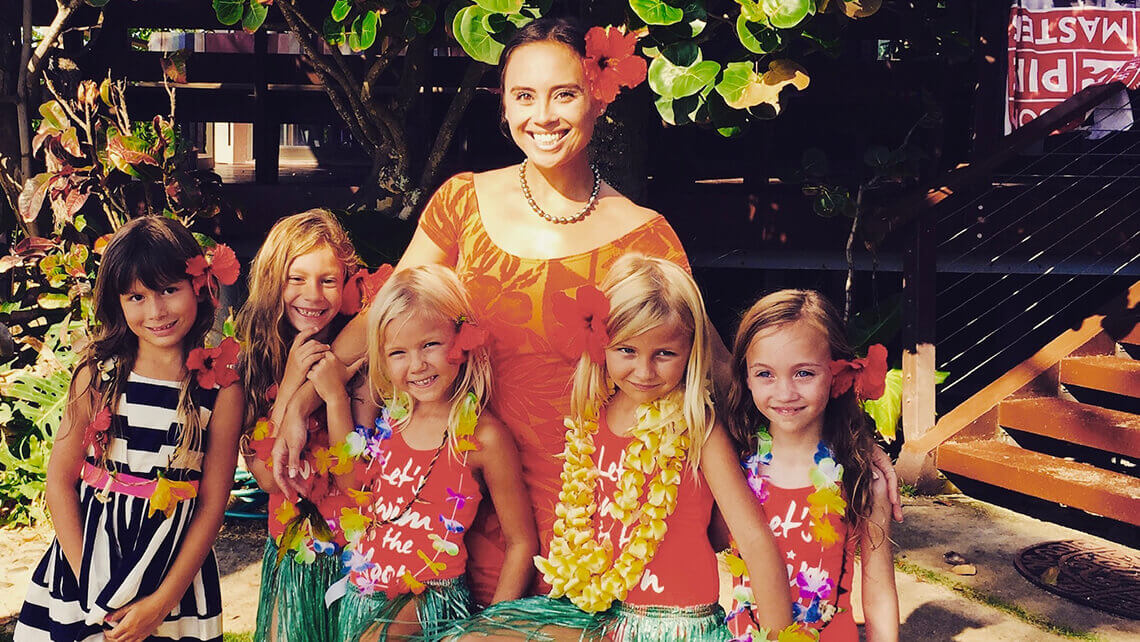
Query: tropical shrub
x=101 y=170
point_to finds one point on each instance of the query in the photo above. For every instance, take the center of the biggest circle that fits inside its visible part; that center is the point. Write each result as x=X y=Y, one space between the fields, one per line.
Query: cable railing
x=1065 y=212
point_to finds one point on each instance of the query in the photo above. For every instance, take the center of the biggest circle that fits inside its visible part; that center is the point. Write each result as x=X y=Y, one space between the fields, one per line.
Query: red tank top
x=405 y=548
x=819 y=578
x=683 y=572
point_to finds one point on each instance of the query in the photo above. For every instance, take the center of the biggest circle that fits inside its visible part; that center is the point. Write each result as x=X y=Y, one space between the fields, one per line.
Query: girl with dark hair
x=795 y=415
x=143 y=460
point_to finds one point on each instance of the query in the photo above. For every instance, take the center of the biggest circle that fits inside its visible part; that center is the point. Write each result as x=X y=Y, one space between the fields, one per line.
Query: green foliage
x=757 y=44
x=101 y=170
x=33 y=405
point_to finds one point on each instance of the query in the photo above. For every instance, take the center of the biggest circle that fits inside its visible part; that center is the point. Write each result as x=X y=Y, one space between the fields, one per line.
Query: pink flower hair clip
x=584 y=318
x=468 y=337
x=217 y=265
x=611 y=62
x=868 y=375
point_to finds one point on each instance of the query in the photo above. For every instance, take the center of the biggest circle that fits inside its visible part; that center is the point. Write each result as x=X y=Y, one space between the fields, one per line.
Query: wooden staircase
x=1099 y=361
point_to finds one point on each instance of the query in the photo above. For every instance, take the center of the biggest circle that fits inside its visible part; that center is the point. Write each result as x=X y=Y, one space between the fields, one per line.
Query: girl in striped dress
x=143 y=459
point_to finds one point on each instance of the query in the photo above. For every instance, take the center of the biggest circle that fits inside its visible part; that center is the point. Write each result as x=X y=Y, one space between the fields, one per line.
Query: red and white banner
x=1056 y=52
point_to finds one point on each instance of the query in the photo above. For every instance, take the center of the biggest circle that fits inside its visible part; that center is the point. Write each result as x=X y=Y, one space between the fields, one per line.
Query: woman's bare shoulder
x=622 y=208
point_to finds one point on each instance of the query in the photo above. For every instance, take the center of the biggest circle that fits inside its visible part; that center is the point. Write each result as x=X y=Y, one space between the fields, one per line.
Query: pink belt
x=124 y=483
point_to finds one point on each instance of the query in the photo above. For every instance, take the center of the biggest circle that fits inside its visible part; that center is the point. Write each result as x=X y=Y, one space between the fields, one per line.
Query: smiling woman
x=519 y=238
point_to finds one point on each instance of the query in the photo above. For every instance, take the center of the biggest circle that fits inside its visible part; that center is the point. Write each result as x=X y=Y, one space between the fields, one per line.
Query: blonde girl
x=424 y=452
x=795 y=414
x=630 y=559
x=296 y=305
x=144 y=457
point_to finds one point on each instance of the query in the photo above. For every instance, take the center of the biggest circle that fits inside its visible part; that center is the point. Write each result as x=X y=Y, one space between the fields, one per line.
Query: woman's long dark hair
x=845 y=426
x=151 y=250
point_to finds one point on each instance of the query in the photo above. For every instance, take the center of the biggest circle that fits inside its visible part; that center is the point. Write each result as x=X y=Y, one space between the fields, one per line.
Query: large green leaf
x=422 y=18
x=671 y=81
x=470 y=28
x=363 y=34
x=54 y=116
x=229 y=12
x=500 y=6
x=254 y=16
x=333 y=32
x=785 y=14
x=681 y=111
x=340 y=10
x=734 y=82
x=886 y=410
x=756 y=37
x=656 y=12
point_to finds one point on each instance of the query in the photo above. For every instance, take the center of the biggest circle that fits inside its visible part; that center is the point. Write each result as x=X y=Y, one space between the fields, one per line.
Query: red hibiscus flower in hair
x=611 y=63
x=218 y=265
x=361 y=287
x=467 y=338
x=215 y=366
x=585 y=319
x=96 y=434
x=868 y=374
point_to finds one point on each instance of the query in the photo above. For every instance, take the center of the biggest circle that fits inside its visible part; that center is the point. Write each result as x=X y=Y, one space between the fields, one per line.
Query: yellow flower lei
x=578 y=566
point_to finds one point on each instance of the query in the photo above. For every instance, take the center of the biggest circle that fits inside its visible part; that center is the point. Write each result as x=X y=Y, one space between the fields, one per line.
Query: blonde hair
x=262 y=325
x=645 y=293
x=435 y=290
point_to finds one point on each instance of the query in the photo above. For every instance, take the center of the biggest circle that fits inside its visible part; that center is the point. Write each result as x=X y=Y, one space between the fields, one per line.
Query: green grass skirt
x=527 y=617
x=439 y=608
x=295 y=592
x=630 y=623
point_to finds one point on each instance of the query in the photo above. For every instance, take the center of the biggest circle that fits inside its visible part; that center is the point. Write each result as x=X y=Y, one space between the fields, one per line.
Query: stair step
x=1082 y=486
x=1078 y=423
x=1132 y=337
x=1107 y=373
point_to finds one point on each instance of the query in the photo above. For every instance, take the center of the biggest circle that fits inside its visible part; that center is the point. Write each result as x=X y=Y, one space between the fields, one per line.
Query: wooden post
x=916 y=466
x=266 y=129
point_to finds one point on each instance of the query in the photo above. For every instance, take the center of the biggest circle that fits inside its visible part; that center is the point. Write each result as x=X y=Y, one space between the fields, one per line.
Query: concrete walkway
x=989 y=537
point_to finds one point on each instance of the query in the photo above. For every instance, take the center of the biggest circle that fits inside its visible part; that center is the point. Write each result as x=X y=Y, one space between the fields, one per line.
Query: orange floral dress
x=512 y=297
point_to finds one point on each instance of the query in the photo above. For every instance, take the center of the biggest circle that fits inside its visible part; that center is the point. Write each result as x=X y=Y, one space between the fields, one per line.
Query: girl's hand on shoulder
x=330 y=377
x=303 y=354
x=136 y=621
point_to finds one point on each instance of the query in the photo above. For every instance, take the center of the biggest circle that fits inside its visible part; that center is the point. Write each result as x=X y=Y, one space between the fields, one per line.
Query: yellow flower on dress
x=285 y=512
x=167 y=494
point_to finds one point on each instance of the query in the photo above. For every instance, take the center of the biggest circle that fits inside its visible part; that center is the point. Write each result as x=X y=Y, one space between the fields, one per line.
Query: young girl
x=297 y=294
x=422 y=463
x=794 y=412
x=642 y=463
x=144 y=458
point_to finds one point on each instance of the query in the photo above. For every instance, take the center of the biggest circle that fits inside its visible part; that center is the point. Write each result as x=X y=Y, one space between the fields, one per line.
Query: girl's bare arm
x=65 y=465
x=880 y=599
x=498 y=460
x=749 y=527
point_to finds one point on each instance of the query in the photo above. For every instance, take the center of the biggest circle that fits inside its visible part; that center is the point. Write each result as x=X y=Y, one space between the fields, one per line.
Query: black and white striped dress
x=126 y=554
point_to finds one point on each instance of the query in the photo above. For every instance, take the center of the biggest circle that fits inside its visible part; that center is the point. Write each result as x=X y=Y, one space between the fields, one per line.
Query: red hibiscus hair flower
x=611 y=63
x=585 y=319
x=868 y=374
x=215 y=366
x=467 y=338
x=218 y=265
x=96 y=434
x=362 y=287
